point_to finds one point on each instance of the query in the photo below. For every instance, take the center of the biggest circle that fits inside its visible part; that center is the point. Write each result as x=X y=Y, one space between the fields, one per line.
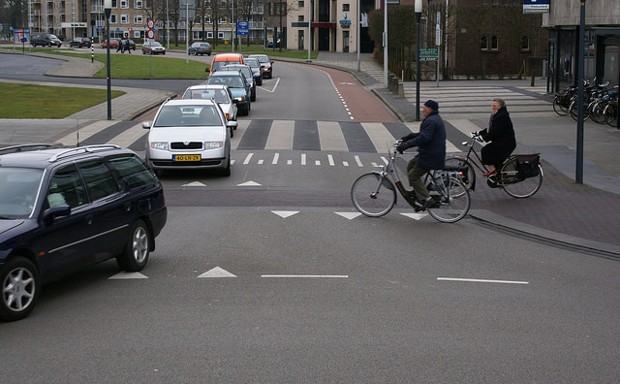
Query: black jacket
x=501 y=138
x=431 y=142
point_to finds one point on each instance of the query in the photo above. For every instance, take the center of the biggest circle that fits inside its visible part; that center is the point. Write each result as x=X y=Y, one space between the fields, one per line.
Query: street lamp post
x=418 y=16
x=107 y=5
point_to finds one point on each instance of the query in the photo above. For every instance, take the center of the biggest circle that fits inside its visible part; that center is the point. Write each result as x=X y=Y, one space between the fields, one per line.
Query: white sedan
x=218 y=92
x=189 y=134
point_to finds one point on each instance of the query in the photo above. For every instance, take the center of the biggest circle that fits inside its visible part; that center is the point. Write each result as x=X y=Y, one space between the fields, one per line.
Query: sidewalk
x=582 y=216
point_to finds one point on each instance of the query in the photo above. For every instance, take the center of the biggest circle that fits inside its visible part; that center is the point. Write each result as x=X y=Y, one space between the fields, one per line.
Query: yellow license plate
x=186 y=158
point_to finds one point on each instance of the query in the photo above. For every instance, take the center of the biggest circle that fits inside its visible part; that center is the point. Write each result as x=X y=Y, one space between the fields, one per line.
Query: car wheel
x=226 y=171
x=20 y=289
x=136 y=252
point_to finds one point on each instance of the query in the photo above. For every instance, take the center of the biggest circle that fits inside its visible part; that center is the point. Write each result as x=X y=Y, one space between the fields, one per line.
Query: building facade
x=601 y=45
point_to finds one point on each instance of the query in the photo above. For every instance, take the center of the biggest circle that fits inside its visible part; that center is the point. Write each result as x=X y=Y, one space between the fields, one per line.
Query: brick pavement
x=582 y=216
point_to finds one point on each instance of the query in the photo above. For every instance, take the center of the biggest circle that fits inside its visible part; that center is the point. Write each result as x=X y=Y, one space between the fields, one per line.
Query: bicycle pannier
x=527 y=165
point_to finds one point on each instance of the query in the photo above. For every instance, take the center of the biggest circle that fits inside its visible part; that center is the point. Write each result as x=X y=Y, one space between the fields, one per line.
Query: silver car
x=189 y=134
x=218 y=92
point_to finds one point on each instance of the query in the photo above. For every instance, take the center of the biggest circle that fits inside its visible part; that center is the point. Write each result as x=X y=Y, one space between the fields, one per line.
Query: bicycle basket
x=527 y=165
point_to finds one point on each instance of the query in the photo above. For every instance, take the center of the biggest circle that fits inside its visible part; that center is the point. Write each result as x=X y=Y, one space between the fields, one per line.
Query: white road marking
x=276 y=156
x=303 y=159
x=285 y=214
x=127 y=275
x=481 y=280
x=308 y=276
x=358 y=161
x=248 y=158
x=216 y=272
x=330 y=158
x=249 y=184
x=348 y=215
x=194 y=184
x=415 y=216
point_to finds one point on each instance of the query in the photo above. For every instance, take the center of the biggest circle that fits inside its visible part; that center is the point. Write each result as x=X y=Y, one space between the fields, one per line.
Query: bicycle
x=374 y=194
x=520 y=176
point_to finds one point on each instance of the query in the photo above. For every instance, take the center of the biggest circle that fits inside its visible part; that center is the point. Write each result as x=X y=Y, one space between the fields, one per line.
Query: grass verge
x=25 y=101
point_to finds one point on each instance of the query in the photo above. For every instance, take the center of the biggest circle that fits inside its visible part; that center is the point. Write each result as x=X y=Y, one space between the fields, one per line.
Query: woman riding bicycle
x=500 y=136
x=431 y=143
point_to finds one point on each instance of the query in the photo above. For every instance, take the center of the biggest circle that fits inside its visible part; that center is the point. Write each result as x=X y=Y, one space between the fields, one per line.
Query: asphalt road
x=320 y=298
x=284 y=283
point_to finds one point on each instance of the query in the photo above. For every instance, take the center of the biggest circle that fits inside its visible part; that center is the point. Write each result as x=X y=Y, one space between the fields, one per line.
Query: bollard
x=533 y=78
x=92 y=53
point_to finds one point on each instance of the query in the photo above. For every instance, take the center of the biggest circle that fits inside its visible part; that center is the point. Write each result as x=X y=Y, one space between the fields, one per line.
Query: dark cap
x=432 y=104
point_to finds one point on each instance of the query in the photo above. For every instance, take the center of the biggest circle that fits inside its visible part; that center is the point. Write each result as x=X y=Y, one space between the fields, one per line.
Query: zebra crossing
x=276 y=135
x=475 y=101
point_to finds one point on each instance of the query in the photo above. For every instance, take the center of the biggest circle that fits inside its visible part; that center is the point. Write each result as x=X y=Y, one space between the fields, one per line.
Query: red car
x=113 y=44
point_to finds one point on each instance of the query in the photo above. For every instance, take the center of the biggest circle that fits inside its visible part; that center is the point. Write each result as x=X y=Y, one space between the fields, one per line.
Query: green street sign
x=429 y=54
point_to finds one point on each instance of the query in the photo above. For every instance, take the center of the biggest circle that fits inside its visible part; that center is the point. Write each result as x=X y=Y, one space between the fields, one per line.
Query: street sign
x=243 y=28
x=429 y=54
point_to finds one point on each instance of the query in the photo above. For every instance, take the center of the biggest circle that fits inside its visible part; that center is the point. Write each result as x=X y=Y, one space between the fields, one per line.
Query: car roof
x=41 y=156
x=228 y=55
x=182 y=102
x=208 y=86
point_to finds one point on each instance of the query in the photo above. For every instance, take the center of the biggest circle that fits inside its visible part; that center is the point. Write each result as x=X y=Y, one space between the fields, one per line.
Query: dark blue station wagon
x=62 y=209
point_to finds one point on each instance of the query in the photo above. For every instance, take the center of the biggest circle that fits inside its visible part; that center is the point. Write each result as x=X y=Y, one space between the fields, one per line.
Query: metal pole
x=418 y=16
x=385 y=43
x=166 y=27
x=417 y=68
x=309 y=27
x=580 y=93
x=359 y=21
x=108 y=78
x=232 y=35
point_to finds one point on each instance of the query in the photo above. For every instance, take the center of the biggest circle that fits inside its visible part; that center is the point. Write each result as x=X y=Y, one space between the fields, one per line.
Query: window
x=124 y=4
x=525 y=43
x=66 y=188
x=494 y=44
x=300 y=4
x=209 y=35
x=113 y=19
x=346 y=8
x=137 y=19
x=484 y=43
x=124 y=19
x=208 y=20
x=114 y=3
x=133 y=171
x=300 y=18
x=138 y=4
x=99 y=180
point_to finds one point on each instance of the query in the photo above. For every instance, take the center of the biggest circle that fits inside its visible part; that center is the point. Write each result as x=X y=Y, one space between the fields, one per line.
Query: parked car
x=247 y=73
x=153 y=48
x=238 y=86
x=189 y=134
x=113 y=44
x=62 y=209
x=199 y=48
x=266 y=63
x=80 y=42
x=45 y=40
x=257 y=70
x=222 y=59
x=220 y=94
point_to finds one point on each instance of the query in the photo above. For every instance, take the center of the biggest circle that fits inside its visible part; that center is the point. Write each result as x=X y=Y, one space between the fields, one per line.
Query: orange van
x=222 y=59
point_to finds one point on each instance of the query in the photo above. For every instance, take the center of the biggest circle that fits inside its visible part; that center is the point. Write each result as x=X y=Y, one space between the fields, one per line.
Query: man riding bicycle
x=431 y=143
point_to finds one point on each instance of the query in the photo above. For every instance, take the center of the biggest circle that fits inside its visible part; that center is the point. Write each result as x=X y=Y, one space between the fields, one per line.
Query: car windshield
x=219 y=95
x=18 y=191
x=262 y=59
x=253 y=63
x=188 y=116
x=231 y=81
x=247 y=71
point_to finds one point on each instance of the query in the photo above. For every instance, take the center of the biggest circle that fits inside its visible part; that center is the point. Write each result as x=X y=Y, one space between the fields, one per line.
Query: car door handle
x=89 y=219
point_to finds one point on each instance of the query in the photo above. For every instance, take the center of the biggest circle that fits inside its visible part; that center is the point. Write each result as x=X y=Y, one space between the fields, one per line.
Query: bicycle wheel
x=453 y=202
x=373 y=195
x=469 y=175
x=559 y=105
x=516 y=186
x=596 y=112
x=574 y=111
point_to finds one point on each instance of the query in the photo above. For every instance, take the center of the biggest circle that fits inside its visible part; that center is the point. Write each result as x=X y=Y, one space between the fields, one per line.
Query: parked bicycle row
x=600 y=102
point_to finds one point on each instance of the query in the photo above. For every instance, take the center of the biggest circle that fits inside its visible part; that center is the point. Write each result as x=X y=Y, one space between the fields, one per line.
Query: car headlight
x=213 y=144
x=163 y=146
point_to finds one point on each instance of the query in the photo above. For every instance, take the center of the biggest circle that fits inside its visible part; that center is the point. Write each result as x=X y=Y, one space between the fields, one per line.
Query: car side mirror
x=60 y=210
x=146 y=124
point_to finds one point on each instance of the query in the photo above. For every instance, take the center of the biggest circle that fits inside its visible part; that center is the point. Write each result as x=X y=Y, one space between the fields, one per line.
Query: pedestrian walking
x=127 y=46
x=119 y=46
